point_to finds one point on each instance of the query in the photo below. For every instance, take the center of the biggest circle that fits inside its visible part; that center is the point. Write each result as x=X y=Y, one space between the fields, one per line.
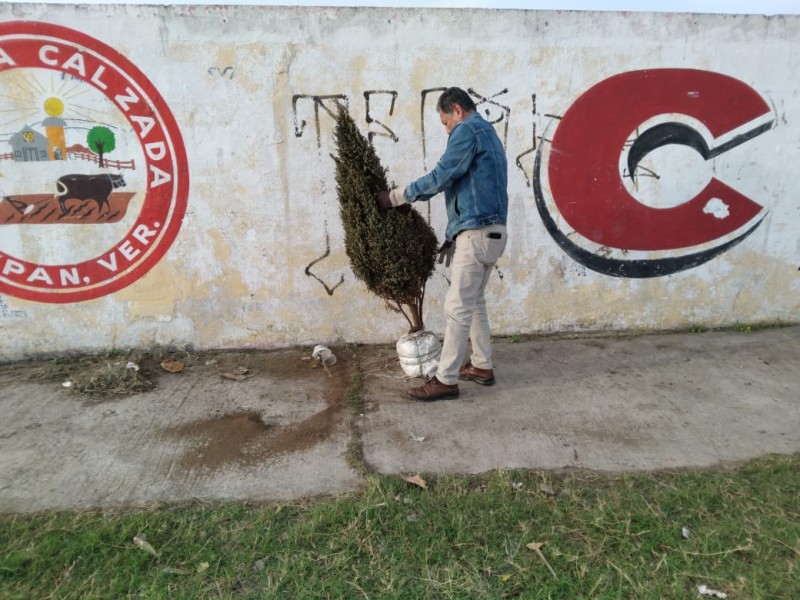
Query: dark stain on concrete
x=248 y=438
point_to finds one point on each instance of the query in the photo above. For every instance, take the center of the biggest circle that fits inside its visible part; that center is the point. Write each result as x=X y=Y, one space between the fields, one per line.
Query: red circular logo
x=93 y=173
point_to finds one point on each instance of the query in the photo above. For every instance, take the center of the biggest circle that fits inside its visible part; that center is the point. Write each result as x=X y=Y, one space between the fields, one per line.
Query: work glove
x=383 y=200
x=386 y=200
x=446 y=252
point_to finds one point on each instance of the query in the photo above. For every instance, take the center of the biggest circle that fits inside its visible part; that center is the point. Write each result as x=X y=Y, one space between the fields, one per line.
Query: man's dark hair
x=453 y=96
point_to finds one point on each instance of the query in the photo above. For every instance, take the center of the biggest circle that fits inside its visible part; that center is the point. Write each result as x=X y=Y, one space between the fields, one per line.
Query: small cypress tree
x=392 y=252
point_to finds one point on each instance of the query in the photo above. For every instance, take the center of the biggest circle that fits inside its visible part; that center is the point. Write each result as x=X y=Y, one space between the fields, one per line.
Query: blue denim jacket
x=473 y=173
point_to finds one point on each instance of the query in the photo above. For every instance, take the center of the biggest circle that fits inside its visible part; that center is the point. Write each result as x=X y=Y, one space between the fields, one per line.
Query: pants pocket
x=493 y=249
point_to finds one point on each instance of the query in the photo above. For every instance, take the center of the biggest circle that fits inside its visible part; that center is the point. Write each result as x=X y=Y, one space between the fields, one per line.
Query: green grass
x=605 y=536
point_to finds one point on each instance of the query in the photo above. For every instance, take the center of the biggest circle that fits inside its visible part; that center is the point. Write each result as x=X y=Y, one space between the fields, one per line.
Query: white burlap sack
x=419 y=353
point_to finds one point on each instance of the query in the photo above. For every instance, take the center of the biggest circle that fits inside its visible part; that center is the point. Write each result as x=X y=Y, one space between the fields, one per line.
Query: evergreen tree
x=392 y=252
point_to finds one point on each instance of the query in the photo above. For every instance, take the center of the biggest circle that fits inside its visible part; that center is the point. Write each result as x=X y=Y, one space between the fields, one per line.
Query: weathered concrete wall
x=226 y=232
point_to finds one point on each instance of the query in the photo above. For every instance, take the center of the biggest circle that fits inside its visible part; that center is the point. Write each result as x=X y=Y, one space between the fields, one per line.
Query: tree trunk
x=414 y=317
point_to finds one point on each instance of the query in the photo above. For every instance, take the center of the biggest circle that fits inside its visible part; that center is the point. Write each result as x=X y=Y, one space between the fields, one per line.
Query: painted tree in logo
x=101 y=140
x=393 y=252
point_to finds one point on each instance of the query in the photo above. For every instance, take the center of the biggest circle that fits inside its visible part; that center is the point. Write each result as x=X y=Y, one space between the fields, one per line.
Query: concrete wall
x=226 y=232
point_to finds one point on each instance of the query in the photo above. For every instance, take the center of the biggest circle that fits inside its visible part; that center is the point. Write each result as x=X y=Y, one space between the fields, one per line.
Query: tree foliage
x=392 y=252
x=101 y=140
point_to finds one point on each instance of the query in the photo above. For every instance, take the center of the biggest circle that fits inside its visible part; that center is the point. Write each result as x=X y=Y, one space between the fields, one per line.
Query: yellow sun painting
x=29 y=92
x=54 y=106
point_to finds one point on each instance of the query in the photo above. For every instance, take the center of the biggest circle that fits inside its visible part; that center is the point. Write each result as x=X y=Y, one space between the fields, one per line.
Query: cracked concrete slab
x=639 y=403
x=280 y=433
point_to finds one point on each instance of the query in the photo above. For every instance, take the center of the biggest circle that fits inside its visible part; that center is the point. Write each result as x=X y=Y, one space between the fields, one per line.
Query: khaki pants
x=465 y=304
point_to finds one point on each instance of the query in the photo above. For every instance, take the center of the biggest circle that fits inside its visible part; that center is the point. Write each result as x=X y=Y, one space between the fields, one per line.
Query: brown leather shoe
x=433 y=390
x=482 y=376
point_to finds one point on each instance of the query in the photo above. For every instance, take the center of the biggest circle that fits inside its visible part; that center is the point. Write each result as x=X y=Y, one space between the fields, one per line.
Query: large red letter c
x=584 y=174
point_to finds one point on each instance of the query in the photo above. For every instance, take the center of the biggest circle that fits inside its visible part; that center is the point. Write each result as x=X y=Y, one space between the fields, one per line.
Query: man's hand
x=446 y=253
x=393 y=199
x=383 y=200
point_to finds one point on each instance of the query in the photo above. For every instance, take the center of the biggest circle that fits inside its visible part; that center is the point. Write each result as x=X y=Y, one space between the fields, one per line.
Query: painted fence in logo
x=173 y=185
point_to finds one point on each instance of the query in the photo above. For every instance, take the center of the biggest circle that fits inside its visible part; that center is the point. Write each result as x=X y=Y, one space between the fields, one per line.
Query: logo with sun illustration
x=89 y=148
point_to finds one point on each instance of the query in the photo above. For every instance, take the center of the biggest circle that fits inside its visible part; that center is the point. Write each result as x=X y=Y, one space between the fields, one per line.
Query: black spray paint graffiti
x=226 y=73
x=480 y=101
x=423 y=97
x=330 y=105
x=320 y=102
x=532 y=149
x=505 y=111
x=487 y=106
x=370 y=119
x=328 y=290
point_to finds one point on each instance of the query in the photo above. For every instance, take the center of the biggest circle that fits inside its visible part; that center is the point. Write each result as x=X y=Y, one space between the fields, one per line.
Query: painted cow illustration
x=87 y=187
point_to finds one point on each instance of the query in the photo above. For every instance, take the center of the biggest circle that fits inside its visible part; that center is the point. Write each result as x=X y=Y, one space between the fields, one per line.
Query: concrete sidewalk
x=289 y=430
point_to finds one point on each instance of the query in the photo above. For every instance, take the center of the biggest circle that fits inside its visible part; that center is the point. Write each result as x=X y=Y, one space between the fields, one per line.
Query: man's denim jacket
x=473 y=173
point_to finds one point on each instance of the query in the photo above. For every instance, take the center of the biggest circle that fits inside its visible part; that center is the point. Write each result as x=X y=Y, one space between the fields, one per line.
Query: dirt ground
x=247 y=437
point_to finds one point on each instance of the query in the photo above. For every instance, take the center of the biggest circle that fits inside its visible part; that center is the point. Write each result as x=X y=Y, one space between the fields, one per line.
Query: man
x=473 y=174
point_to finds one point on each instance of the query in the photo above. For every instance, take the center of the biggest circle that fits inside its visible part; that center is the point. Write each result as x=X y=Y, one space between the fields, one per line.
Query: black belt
x=493 y=235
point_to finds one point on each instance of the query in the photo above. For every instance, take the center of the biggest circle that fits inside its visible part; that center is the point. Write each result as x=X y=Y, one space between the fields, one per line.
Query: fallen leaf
x=686 y=533
x=233 y=376
x=547 y=489
x=173 y=366
x=238 y=374
x=536 y=546
x=505 y=577
x=144 y=545
x=202 y=567
x=174 y=571
x=417 y=480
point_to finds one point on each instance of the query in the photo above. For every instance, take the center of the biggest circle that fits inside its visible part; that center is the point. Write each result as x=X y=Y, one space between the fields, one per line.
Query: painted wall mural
x=90 y=144
x=90 y=103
